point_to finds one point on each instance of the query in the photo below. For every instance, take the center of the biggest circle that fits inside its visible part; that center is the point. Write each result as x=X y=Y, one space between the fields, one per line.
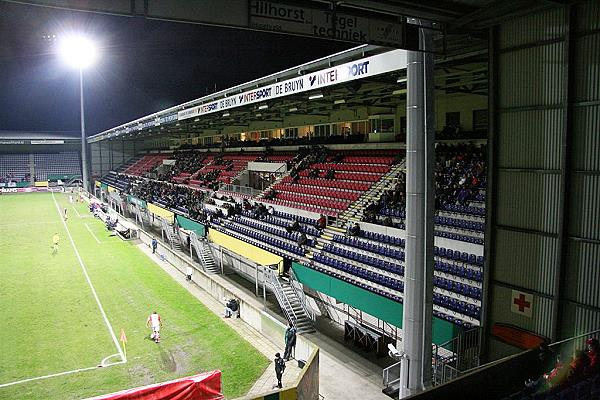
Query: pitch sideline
x=87 y=277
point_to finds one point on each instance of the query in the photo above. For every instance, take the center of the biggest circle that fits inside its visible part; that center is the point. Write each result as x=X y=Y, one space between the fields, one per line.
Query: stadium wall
x=369 y=302
x=544 y=191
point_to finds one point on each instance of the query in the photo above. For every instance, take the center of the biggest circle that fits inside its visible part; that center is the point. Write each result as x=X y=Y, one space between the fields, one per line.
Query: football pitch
x=61 y=315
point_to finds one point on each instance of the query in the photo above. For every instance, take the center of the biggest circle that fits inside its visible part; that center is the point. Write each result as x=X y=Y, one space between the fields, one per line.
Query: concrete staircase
x=355 y=212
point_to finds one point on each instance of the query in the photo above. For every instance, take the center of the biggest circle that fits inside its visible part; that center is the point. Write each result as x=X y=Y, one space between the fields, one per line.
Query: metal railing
x=245 y=190
x=201 y=250
x=284 y=302
x=455 y=356
x=298 y=289
x=391 y=375
x=168 y=232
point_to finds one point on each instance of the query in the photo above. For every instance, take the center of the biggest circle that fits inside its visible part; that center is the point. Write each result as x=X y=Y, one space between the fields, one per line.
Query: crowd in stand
x=307 y=140
x=460 y=173
x=460 y=178
x=566 y=371
x=8 y=178
x=171 y=196
x=187 y=162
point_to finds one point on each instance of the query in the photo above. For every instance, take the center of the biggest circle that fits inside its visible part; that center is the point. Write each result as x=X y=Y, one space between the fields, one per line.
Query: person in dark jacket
x=279 y=369
x=290 y=341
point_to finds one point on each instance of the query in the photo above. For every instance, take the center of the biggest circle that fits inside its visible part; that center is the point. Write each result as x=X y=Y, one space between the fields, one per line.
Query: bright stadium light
x=78 y=51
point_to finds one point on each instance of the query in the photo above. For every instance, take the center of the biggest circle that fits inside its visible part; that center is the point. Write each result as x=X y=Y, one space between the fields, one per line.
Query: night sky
x=145 y=66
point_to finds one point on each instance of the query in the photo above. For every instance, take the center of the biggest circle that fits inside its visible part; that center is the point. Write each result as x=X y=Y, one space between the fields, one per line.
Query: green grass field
x=51 y=322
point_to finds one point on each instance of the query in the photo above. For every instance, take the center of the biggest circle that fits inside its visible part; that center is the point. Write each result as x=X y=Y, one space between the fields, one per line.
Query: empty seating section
x=275 y=243
x=379 y=258
x=66 y=163
x=331 y=181
x=119 y=181
x=346 y=185
x=146 y=164
x=13 y=167
x=274 y=220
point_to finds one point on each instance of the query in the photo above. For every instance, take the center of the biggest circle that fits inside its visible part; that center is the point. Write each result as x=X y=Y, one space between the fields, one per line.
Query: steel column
x=418 y=208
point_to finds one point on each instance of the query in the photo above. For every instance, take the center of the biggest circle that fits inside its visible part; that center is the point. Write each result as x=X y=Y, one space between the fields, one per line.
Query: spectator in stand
x=354 y=230
x=302 y=239
x=321 y=222
x=593 y=355
x=293 y=227
x=330 y=174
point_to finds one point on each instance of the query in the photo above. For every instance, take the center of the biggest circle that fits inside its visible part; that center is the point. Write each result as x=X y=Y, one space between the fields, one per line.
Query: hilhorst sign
x=284 y=18
x=363 y=68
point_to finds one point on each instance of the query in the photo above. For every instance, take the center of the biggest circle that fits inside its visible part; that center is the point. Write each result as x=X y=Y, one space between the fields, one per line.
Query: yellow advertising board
x=161 y=212
x=41 y=184
x=251 y=252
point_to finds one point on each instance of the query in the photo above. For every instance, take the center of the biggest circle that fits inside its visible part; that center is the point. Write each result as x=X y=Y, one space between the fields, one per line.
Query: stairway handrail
x=199 y=249
x=168 y=230
x=295 y=284
x=281 y=297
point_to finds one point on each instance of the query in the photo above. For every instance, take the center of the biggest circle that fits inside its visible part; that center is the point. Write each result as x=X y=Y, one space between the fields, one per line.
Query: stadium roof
x=39 y=135
x=466 y=73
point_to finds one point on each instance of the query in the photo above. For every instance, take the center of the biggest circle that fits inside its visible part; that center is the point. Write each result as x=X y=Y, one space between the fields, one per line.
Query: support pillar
x=416 y=321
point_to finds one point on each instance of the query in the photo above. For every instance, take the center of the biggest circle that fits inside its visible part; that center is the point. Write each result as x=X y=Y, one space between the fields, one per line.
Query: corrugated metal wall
x=546 y=197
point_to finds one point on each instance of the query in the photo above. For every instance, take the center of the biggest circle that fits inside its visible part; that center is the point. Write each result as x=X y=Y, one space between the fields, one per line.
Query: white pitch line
x=76 y=212
x=47 y=376
x=110 y=329
x=90 y=231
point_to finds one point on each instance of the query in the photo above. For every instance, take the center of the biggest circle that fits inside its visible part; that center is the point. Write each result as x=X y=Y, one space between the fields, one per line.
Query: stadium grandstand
x=440 y=224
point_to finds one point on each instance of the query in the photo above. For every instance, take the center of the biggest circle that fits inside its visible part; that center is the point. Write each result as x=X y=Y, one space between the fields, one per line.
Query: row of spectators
x=460 y=178
x=8 y=178
x=565 y=371
x=172 y=196
x=349 y=138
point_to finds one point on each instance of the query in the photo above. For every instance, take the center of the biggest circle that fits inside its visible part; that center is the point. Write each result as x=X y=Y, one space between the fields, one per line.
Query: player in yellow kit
x=55 y=240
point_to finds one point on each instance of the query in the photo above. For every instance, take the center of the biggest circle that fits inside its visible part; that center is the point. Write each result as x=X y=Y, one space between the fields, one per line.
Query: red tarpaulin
x=206 y=386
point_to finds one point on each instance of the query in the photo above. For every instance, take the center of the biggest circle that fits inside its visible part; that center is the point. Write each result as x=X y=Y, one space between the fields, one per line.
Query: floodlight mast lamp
x=80 y=52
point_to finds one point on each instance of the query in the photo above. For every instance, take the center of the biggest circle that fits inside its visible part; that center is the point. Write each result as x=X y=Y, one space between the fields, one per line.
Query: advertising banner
x=363 y=68
x=244 y=249
x=161 y=212
x=134 y=200
x=24 y=190
x=191 y=225
x=205 y=386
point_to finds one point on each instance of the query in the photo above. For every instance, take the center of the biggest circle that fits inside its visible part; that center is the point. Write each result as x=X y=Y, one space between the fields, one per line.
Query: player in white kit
x=154 y=323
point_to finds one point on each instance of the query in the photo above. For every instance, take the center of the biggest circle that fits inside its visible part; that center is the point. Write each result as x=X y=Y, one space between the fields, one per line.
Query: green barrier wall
x=188 y=224
x=369 y=302
x=16 y=184
x=62 y=177
x=135 y=200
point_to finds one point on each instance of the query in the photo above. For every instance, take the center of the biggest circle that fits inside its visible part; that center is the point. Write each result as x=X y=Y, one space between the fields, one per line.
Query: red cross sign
x=521 y=303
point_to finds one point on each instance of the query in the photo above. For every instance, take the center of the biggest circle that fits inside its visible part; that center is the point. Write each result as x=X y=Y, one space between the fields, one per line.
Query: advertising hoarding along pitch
x=363 y=68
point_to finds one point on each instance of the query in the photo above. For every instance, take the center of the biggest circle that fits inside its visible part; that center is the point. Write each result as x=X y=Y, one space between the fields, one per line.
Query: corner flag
x=124 y=341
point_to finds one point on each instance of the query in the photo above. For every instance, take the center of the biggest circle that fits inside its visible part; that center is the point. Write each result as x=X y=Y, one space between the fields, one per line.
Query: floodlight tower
x=80 y=52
